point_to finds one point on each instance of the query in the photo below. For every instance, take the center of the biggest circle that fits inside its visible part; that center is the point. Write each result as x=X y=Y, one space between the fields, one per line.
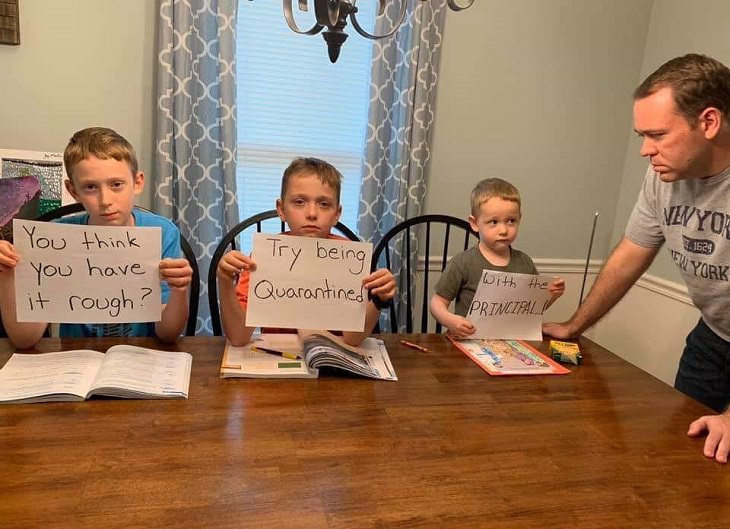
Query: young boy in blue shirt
x=103 y=175
x=495 y=215
x=310 y=205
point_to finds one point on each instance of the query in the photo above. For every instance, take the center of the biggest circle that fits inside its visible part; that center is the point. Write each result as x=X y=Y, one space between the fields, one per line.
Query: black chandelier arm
x=456 y=7
x=289 y=16
x=381 y=10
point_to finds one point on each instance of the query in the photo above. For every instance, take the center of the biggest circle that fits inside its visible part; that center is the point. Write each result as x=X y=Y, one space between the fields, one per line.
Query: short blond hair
x=493 y=188
x=325 y=171
x=101 y=143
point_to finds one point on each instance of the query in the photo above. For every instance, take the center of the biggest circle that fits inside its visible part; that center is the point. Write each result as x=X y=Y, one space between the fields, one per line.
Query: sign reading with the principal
x=509 y=306
x=308 y=283
x=86 y=274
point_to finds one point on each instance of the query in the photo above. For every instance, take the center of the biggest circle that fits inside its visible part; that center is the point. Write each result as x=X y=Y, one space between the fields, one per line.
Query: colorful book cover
x=509 y=357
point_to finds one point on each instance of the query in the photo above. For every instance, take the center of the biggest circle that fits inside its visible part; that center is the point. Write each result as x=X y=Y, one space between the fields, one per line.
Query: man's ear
x=711 y=121
x=71 y=189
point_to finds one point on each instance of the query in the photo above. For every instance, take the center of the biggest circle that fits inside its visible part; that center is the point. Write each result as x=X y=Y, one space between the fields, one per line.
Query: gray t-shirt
x=693 y=217
x=461 y=276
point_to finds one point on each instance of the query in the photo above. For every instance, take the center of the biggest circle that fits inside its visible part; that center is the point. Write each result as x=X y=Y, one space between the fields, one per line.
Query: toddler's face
x=497 y=223
x=310 y=207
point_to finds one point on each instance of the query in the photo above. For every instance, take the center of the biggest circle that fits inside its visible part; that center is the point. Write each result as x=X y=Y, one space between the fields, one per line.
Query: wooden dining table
x=445 y=446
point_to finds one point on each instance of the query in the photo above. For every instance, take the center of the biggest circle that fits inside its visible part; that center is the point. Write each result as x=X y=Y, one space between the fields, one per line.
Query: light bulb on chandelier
x=331 y=18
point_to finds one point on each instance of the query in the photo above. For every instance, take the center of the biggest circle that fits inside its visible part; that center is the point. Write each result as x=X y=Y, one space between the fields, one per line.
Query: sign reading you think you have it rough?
x=308 y=283
x=86 y=274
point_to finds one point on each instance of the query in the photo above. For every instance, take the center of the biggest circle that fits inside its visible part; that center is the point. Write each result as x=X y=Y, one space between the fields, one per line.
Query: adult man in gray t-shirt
x=682 y=112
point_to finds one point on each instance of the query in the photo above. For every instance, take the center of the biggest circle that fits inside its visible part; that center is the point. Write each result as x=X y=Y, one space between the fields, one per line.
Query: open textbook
x=124 y=371
x=508 y=357
x=301 y=355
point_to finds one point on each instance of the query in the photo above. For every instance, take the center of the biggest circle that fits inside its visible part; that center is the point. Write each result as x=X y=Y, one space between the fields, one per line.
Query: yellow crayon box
x=565 y=352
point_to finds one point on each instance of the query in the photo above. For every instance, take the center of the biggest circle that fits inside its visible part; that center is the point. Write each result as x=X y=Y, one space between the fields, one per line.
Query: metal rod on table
x=588 y=258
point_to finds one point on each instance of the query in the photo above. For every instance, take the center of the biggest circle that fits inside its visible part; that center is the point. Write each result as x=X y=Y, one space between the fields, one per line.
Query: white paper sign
x=509 y=306
x=308 y=283
x=86 y=274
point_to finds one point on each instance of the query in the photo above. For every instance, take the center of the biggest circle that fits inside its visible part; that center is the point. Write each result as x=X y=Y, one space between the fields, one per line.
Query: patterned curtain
x=196 y=126
x=402 y=110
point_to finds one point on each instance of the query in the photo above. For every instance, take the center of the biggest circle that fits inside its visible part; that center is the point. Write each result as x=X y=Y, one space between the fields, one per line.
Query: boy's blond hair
x=493 y=188
x=325 y=171
x=101 y=143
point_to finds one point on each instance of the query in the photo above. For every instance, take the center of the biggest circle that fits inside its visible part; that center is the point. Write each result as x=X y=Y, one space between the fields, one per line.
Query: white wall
x=80 y=63
x=539 y=92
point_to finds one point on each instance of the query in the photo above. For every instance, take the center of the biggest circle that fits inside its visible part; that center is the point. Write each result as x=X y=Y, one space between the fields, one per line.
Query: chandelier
x=331 y=18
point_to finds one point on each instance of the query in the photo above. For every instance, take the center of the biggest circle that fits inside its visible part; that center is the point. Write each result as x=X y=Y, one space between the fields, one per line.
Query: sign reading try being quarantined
x=86 y=274
x=509 y=306
x=308 y=283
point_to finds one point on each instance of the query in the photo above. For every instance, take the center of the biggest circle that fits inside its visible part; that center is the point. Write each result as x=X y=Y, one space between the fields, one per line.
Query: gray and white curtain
x=195 y=154
x=401 y=115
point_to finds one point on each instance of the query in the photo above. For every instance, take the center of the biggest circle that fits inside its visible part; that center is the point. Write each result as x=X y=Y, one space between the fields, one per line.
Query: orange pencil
x=414 y=346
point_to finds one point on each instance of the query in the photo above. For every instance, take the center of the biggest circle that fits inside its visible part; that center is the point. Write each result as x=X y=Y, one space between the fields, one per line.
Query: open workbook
x=301 y=355
x=124 y=371
x=508 y=357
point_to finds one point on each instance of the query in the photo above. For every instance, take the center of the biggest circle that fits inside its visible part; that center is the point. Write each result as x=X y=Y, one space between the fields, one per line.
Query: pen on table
x=414 y=346
x=291 y=356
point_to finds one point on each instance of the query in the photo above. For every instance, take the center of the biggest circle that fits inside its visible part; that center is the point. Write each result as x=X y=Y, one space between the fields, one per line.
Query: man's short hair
x=101 y=143
x=325 y=171
x=493 y=188
x=697 y=82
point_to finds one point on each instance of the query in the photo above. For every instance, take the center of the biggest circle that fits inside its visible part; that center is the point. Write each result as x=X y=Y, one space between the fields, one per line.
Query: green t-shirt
x=461 y=277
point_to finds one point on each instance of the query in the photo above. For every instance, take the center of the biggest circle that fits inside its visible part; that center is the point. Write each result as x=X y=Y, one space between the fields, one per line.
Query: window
x=293 y=102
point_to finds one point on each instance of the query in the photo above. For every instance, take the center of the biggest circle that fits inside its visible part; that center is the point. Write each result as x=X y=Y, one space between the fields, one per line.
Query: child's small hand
x=557 y=287
x=8 y=256
x=176 y=272
x=460 y=328
x=381 y=283
x=233 y=263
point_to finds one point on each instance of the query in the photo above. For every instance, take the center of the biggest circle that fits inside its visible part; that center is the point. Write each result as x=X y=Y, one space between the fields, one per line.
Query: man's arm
x=622 y=269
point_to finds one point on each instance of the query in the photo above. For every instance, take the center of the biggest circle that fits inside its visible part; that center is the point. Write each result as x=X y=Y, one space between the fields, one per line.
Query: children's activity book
x=509 y=357
x=301 y=355
x=124 y=371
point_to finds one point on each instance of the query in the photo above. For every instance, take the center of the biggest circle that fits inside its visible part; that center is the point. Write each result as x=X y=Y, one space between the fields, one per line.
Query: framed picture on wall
x=9 y=22
x=31 y=183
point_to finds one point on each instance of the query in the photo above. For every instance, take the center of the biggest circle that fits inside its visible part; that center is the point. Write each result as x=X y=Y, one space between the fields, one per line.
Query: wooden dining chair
x=412 y=250
x=240 y=236
x=187 y=250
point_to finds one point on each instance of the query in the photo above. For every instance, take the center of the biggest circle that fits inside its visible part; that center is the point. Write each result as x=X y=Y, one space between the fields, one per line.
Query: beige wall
x=677 y=27
x=538 y=92
x=80 y=63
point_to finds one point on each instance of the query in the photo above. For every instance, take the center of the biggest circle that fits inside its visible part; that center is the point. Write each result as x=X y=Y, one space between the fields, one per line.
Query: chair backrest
x=255 y=223
x=187 y=250
x=428 y=241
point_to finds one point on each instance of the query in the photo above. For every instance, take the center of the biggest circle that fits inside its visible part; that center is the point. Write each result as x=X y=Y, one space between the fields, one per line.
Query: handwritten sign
x=308 y=283
x=509 y=306
x=86 y=274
